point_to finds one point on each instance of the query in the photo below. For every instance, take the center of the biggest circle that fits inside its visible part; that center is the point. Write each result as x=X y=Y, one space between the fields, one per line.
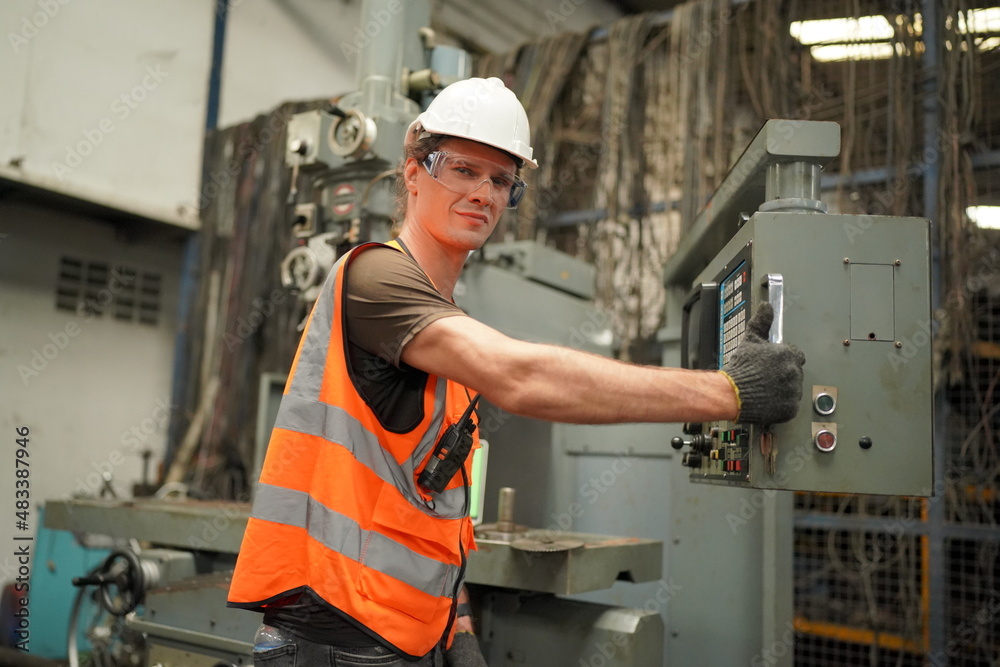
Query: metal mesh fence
x=906 y=581
x=860 y=587
x=972 y=607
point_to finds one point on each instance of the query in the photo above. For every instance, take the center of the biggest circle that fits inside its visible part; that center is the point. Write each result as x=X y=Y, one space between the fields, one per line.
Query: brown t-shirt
x=389 y=300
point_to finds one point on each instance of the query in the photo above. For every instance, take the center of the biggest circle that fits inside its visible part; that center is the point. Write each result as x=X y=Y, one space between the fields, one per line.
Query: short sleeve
x=388 y=301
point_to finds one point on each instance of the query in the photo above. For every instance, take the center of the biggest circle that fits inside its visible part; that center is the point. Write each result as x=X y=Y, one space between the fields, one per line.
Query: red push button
x=825 y=440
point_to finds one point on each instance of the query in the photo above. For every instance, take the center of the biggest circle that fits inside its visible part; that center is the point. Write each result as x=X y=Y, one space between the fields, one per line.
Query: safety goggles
x=464 y=174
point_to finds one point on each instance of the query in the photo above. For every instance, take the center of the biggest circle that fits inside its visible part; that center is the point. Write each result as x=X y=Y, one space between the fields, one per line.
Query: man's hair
x=419 y=150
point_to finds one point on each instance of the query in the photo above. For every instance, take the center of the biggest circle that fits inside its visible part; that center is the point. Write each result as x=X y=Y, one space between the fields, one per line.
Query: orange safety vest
x=338 y=509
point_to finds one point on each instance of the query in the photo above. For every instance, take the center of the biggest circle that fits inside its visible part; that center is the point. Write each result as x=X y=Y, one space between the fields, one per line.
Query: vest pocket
x=396 y=570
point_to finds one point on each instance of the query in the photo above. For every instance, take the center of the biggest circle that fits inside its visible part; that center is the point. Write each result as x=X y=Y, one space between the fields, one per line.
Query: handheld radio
x=449 y=453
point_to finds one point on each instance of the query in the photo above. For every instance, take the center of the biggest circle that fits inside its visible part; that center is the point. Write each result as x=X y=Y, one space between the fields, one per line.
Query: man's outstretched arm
x=561 y=384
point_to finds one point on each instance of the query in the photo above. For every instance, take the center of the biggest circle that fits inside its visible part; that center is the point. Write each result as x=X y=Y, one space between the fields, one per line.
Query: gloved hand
x=767 y=376
x=464 y=652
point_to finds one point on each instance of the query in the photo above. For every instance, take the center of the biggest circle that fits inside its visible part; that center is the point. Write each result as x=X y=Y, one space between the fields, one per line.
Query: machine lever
x=699 y=443
x=775 y=284
x=92 y=580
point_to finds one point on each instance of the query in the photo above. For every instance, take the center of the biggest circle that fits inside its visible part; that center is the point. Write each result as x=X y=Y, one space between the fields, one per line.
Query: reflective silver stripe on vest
x=343 y=535
x=338 y=428
x=308 y=376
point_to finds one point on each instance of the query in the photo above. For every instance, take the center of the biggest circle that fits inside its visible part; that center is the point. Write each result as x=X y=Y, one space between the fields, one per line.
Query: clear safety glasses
x=463 y=174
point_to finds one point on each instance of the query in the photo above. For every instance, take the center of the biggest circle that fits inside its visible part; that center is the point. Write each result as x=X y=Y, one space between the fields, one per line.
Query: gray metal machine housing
x=853 y=292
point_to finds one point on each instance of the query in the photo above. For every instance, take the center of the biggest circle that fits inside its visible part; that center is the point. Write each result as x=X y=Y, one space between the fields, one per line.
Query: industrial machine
x=555 y=583
x=168 y=590
x=853 y=292
x=347 y=154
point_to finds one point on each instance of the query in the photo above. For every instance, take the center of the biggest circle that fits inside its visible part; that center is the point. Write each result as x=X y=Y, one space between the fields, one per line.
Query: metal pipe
x=215 y=75
x=190 y=264
x=936 y=575
x=863 y=636
x=505 y=510
x=383 y=23
x=792 y=180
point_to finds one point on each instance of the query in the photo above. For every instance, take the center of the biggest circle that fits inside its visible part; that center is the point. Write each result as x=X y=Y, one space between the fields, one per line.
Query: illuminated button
x=825 y=440
x=824 y=403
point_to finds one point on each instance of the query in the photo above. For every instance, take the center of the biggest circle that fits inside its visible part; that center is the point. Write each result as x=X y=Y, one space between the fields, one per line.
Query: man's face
x=459 y=220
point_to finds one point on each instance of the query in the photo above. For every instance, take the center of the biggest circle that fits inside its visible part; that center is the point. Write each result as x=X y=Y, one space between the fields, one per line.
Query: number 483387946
x=21 y=471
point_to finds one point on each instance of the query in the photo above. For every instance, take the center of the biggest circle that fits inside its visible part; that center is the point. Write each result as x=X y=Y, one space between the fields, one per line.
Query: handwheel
x=123 y=572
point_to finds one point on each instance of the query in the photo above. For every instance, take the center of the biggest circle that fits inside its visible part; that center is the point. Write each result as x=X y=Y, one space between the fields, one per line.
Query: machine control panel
x=851 y=303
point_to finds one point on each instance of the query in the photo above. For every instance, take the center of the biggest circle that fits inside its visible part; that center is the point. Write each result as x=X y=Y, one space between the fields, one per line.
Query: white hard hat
x=482 y=110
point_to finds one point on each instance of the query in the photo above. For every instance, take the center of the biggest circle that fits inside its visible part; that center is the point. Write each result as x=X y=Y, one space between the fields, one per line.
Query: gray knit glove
x=464 y=652
x=767 y=376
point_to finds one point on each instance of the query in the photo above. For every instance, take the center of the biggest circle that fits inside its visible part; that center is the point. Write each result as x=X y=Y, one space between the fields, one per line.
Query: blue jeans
x=302 y=653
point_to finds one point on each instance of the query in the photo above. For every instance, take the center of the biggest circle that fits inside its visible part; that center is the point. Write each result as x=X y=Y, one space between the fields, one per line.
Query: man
x=351 y=555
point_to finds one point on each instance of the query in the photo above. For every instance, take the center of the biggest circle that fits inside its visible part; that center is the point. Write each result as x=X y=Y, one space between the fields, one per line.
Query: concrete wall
x=93 y=391
x=106 y=100
x=280 y=50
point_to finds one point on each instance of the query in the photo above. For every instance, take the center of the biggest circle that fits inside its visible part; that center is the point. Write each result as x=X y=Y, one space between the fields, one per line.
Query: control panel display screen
x=733 y=311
